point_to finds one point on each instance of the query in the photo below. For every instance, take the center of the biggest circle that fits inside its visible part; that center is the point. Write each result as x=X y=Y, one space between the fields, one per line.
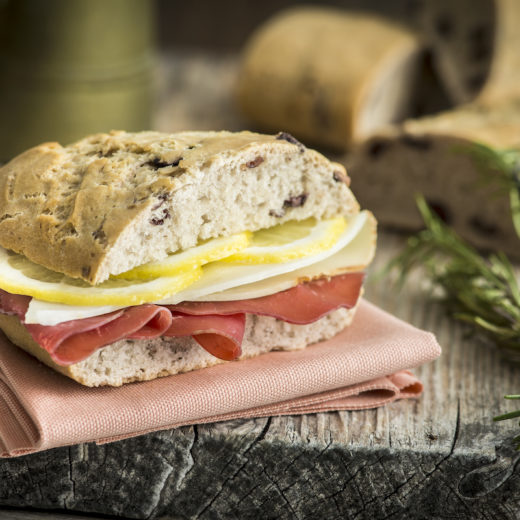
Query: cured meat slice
x=217 y=326
x=302 y=304
x=221 y=336
x=72 y=341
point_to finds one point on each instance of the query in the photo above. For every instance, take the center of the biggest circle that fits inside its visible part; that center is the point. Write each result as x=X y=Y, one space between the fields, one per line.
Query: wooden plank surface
x=438 y=457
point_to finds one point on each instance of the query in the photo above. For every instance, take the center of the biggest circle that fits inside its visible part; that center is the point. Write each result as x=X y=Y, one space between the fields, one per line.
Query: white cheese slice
x=224 y=281
x=49 y=313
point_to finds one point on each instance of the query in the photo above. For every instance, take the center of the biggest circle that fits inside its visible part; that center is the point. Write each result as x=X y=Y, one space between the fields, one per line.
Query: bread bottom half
x=126 y=361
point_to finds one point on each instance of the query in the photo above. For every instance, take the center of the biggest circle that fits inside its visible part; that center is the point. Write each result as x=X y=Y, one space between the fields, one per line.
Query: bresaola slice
x=217 y=326
x=71 y=342
x=14 y=304
x=221 y=336
x=305 y=303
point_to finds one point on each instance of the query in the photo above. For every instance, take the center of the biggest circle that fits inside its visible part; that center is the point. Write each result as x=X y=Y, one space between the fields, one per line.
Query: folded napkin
x=41 y=409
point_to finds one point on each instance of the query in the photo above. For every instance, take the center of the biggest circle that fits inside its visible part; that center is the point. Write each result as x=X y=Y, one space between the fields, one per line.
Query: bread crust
x=112 y=201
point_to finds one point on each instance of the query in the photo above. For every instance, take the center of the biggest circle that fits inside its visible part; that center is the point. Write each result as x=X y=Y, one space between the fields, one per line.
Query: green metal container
x=69 y=68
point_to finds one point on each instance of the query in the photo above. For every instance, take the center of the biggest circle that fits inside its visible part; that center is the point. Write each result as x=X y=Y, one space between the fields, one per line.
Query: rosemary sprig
x=482 y=292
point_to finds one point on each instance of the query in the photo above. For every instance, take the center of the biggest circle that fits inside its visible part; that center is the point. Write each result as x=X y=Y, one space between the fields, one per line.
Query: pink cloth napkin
x=41 y=409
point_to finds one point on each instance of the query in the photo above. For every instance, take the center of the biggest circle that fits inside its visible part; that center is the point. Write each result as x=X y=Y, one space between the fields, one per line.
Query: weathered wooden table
x=438 y=457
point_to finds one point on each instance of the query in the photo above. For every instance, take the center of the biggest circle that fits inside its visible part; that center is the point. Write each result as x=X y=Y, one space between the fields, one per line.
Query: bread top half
x=110 y=202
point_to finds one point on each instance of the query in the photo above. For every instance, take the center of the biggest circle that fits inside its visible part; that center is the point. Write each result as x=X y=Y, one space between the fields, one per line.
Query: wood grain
x=437 y=457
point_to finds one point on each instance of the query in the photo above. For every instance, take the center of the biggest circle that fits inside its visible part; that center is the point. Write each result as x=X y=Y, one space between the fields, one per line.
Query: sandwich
x=130 y=256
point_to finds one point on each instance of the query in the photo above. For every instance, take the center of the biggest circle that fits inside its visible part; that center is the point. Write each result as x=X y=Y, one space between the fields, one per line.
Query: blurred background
x=77 y=67
x=390 y=88
x=226 y=25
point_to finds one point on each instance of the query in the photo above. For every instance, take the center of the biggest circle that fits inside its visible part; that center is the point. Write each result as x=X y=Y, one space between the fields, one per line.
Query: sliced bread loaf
x=328 y=75
x=461 y=35
x=441 y=158
x=475 y=46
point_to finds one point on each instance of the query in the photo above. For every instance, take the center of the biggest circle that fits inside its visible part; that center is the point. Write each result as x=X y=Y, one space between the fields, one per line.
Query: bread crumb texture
x=110 y=202
x=129 y=360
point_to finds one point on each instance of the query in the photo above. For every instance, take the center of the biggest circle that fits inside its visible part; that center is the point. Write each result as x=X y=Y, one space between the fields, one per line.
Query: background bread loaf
x=504 y=77
x=440 y=157
x=329 y=76
x=475 y=46
x=461 y=36
x=334 y=76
